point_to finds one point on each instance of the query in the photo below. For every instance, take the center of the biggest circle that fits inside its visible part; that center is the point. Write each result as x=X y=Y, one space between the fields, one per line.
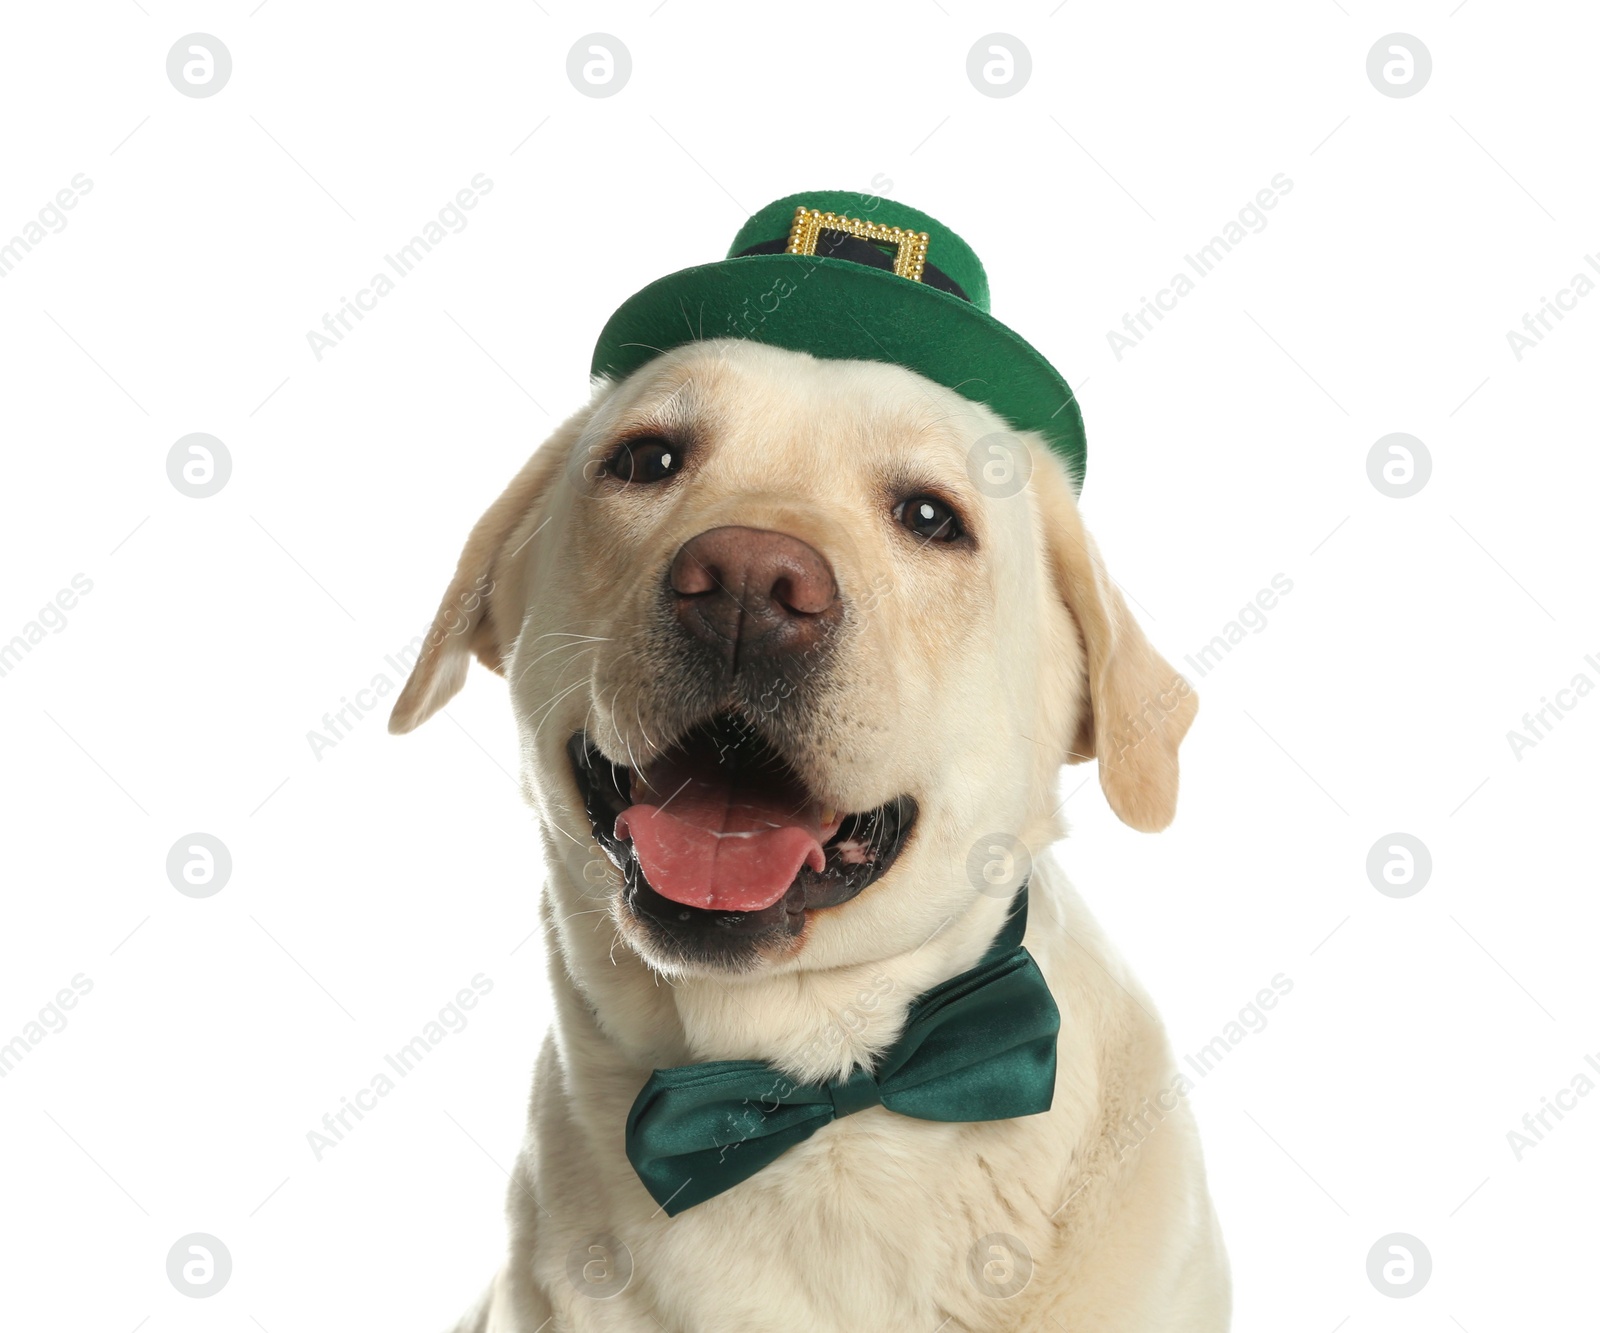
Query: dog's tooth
x=828 y=814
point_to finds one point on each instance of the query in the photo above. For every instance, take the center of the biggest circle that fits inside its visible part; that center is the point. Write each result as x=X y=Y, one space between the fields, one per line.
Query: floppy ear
x=482 y=608
x=1139 y=707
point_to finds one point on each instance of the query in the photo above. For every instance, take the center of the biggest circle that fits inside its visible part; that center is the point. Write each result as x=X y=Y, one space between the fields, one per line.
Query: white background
x=371 y=884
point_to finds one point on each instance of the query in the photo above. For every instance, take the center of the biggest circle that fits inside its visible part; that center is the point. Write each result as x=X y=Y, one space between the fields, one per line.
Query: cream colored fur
x=965 y=679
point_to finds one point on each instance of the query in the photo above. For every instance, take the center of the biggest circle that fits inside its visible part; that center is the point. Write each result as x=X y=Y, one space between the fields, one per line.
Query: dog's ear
x=1138 y=707
x=482 y=608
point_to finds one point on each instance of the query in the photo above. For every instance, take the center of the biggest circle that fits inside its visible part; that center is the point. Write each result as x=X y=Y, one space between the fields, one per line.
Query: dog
x=744 y=554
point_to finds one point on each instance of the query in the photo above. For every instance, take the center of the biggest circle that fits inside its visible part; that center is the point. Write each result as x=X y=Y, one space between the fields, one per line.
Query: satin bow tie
x=980 y=1046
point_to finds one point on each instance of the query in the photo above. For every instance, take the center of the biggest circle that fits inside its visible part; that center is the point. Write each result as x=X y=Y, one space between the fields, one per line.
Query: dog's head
x=797 y=648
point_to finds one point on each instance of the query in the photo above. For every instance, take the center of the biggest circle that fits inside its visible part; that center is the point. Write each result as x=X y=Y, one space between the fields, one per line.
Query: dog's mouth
x=718 y=836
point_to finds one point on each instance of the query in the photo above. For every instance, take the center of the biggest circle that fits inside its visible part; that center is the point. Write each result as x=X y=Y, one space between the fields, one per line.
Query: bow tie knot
x=855 y=1093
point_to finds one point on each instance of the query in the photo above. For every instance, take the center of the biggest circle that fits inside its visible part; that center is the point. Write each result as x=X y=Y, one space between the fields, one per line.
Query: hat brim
x=840 y=310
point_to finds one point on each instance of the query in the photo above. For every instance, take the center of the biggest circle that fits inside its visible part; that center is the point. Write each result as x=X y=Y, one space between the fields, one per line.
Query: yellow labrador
x=759 y=598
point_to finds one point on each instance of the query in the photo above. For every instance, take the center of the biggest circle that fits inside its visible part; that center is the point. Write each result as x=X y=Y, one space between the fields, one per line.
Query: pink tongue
x=708 y=845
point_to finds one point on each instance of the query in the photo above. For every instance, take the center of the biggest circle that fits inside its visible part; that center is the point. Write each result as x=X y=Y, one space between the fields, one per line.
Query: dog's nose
x=752 y=592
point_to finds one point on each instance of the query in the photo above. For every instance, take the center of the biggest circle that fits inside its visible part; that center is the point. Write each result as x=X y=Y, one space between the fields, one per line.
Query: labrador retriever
x=794 y=689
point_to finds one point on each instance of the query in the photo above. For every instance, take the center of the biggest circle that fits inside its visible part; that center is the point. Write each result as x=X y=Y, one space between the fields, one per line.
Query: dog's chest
x=869 y=1224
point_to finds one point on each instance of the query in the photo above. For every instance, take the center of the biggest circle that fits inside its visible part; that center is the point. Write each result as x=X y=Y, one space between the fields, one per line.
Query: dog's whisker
x=523 y=672
x=640 y=722
x=576 y=841
x=570 y=634
x=557 y=697
x=559 y=648
x=549 y=708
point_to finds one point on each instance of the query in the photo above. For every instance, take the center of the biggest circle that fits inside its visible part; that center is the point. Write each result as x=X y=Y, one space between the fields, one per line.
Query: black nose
x=753 y=593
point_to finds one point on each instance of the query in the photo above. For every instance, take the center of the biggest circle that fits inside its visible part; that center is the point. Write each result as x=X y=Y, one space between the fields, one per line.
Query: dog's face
x=794 y=647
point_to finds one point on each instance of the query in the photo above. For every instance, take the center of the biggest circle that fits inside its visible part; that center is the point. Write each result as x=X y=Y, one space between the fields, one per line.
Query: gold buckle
x=911 y=247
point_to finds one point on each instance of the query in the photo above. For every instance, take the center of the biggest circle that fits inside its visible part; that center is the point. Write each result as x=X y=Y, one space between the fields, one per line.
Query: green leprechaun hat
x=853 y=277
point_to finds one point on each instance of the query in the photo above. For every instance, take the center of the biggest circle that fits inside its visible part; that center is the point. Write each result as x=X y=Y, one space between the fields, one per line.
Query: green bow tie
x=980 y=1046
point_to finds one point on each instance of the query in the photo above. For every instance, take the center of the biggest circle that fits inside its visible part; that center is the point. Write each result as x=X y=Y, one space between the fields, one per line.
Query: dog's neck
x=811 y=1024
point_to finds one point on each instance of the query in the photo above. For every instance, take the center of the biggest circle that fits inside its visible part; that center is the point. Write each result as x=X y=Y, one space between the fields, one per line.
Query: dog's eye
x=930 y=519
x=644 y=460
